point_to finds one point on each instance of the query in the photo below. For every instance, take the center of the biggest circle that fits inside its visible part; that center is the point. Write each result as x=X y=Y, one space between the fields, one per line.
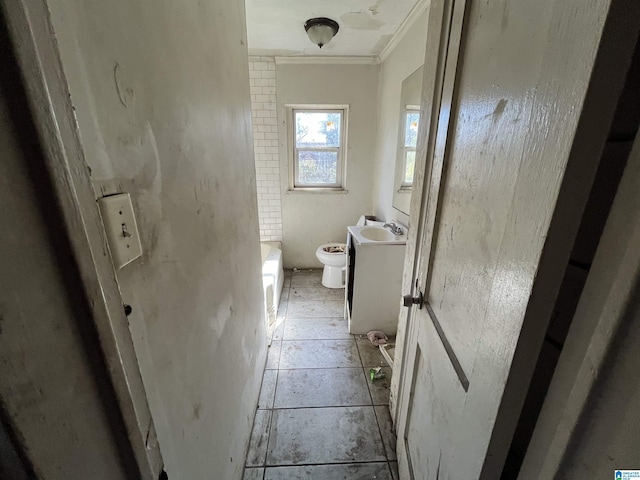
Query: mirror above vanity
x=407 y=140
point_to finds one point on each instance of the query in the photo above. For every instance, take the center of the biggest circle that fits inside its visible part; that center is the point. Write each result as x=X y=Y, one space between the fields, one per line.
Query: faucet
x=395 y=229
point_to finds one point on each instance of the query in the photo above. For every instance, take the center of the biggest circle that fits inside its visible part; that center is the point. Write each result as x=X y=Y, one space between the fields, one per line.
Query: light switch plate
x=121 y=228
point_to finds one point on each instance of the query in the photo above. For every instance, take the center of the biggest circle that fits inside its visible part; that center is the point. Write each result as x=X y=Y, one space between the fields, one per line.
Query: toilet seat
x=335 y=263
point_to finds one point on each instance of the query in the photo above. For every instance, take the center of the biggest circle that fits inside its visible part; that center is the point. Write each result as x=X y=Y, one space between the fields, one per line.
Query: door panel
x=482 y=163
x=418 y=417
x=494 y=163
x=434 y=383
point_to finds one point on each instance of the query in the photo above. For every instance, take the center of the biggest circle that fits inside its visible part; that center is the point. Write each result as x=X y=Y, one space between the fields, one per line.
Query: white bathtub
x=272 y=280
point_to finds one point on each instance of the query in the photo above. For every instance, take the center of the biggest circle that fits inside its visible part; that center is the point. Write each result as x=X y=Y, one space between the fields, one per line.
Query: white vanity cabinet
x=374 y=282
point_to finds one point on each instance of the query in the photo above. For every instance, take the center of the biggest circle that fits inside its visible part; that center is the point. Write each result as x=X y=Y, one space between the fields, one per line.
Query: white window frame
x=404 y=185
x=294 y=184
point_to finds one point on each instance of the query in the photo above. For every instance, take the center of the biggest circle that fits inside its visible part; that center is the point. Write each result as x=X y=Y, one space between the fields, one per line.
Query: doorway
x=501 y=207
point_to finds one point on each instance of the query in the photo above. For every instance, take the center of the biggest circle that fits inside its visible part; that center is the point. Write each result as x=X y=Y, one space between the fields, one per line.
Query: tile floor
x=319 y=415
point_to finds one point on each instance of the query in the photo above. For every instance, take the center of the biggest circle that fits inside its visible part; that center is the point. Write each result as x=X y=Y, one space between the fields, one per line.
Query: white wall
x=161 y=92
x=262 y=81
x=404 y=59
x=311 y=219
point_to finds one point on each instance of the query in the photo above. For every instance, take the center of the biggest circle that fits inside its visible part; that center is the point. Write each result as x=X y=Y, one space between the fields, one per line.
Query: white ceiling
x=276 y=27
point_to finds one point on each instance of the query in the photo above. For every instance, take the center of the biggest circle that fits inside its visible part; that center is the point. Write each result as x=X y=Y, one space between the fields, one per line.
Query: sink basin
x=377 y=234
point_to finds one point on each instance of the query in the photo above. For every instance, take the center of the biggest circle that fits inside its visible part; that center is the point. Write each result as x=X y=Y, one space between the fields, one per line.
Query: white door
x=496 y=153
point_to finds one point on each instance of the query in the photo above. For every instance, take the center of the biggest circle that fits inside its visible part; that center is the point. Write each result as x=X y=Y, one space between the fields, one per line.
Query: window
x=318 y=147
x=411 y=123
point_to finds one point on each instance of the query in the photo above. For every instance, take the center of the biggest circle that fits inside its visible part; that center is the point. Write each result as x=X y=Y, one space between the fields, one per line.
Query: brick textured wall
x=262 y=78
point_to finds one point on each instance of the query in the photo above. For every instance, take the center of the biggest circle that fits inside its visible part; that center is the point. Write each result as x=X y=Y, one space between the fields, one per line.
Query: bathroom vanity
x=375 y=260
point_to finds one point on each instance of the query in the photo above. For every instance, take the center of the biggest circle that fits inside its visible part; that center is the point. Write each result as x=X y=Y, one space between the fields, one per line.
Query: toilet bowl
x=334 y=258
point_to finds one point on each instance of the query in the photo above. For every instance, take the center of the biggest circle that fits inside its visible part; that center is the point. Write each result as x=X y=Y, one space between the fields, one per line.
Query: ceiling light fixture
x=321 y=30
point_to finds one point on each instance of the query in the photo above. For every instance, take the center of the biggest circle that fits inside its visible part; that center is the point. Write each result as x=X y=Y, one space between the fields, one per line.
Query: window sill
x=330 y=191
x=405 y=189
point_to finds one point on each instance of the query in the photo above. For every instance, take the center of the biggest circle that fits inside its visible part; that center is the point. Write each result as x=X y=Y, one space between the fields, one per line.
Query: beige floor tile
x=318 y=354
x=331 y=387
x=324 y=435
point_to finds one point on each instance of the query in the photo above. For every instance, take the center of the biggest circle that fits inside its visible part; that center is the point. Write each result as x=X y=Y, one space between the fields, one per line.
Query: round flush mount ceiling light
x=321 y=30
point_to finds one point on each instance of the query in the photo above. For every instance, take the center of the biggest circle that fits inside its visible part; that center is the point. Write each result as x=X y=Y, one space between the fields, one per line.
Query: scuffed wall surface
x=405 y=59
x=161 y=91
x=311 y=219
x=588 y=426
x=47 y=386
x=608 y=436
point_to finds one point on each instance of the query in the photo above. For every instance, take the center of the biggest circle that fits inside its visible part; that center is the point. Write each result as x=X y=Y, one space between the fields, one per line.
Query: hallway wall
x=48 y=387
x=404 y=59
x=588 y=426
x=607 y=436
x=161 y=92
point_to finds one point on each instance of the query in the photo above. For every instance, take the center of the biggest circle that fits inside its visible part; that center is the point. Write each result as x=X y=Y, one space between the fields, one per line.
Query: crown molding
x=408 y=22
x=417 y=10
x=327 y=60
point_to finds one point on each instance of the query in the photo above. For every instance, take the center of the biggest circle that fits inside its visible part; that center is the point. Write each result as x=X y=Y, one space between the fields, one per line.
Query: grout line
x=270 y=431
x=323 y=368
x=256 y=414
x=275 y=390
x=352 y=462
x=318 y=339
x=266 y=452
x=251 y=437
x=244 y=471
x=358 y=349
x=314 y=339
x=279 y=353
x=328 y=367
x=384 y=448
x=286 y=307
x=360 y=405
x=279 y=357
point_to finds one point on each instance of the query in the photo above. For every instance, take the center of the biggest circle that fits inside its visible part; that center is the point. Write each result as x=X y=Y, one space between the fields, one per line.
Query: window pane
x=318 y=129
x=409 y=164
x=411 y=129
x=317 y=168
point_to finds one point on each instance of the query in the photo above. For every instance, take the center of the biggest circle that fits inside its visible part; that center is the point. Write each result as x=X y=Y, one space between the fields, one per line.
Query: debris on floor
x=376 y=374
x=377 y=338
x=388 y=352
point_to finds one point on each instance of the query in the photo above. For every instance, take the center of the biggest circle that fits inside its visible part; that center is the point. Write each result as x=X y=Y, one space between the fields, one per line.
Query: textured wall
x=405 y=59
x=161 y=92
x=588 y=425
x=311 y=219
x=47 y=385
x=262 y=80
x=607 y=436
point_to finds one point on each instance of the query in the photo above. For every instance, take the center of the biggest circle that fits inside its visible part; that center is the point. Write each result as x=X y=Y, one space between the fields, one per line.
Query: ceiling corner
x=417 y=10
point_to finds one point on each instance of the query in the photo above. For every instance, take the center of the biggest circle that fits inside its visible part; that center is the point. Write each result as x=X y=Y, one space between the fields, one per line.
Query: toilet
x=334 y=258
